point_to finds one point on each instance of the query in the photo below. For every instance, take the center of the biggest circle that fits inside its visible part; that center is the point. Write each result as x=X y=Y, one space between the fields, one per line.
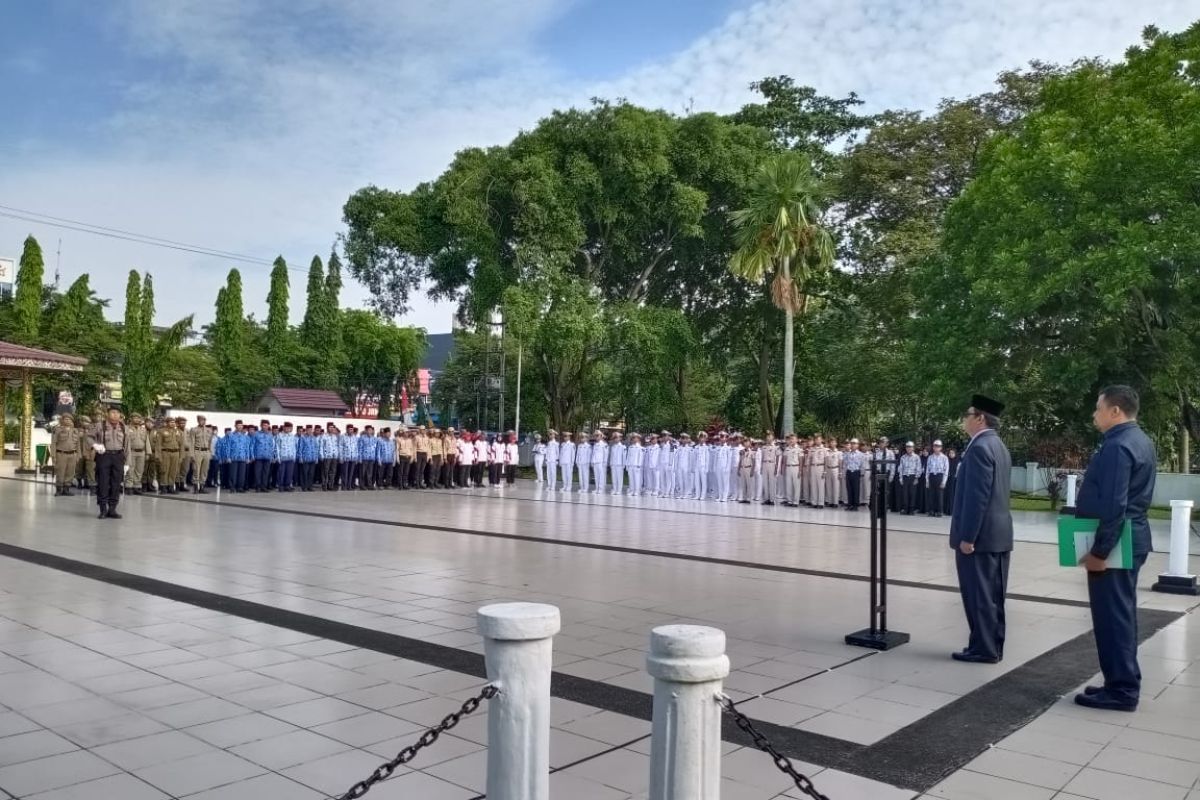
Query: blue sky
x=243 y=125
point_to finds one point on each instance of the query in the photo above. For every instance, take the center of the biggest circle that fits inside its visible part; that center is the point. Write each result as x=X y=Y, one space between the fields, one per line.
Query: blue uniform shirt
x=366 y=448
x=327 y=446
x=264 y=445
x=306 y=449
x=285 y=447
x=238 y=447
x=385 y=451
x=348 y=447
x=1119 y=485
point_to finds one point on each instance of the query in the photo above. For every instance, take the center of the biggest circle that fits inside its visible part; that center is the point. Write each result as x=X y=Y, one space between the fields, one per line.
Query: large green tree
x=27 y=298
x=1071 y=259
x=380 y=356
x=228 y=337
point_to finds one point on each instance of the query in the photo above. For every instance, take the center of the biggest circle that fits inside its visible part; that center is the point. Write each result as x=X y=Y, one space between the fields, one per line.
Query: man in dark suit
x=981 y=531
x=1118 y=486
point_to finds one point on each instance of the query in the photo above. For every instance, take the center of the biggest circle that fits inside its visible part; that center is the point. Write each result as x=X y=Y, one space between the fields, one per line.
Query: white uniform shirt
x=703 y=458
x=552 y=450
x=653 y=452
x=512 y=453
x=466 y=453
x=616 y=454
x=600 y=452
x=937 y=464
x=684 y=458
x=583 y=453
x=566 y=452
x=481 y=451
x=634 y=455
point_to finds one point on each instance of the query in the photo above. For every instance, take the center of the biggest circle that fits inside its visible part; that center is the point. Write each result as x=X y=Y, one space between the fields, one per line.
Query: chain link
x=384 y=771
x=782 y=763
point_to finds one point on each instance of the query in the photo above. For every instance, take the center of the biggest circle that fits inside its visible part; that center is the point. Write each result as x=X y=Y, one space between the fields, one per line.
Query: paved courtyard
x=281 y=646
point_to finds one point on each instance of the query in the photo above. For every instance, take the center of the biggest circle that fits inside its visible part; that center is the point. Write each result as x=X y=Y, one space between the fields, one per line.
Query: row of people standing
x=730 y=467
x=285 y=458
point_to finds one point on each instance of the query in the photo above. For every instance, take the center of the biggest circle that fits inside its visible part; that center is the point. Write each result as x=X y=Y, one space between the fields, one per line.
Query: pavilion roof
x=15 y=356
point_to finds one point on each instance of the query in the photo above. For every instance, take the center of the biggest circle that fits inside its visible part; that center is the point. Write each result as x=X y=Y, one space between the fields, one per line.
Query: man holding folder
x=1118 y=486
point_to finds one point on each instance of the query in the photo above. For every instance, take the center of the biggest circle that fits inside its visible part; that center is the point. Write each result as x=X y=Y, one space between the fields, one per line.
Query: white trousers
x=683 y=487
x=702 y=485
x=816 y=492
x=564 y=470
x=618 y=477
x=635 y=480
x=722 y=486
x=651 y=478
x=833 y=486
x=666 y=481
x=792 y=478
x=598 y=477
x=551 y=474
x=582 y=471
x=539 y=468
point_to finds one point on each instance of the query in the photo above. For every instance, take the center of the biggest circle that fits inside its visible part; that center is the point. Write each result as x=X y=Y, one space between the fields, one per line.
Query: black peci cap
x=987 y=405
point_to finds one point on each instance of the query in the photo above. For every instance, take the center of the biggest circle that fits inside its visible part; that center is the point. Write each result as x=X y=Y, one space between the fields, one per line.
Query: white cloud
x=268 y=121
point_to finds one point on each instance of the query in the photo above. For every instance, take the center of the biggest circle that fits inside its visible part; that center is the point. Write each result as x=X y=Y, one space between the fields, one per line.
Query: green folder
x=1075 y=537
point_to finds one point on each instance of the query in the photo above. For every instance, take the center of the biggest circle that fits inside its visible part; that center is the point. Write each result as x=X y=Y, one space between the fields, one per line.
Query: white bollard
x=1177 y=579
x=688 y=663
x=517 y=639
x=1072 y=488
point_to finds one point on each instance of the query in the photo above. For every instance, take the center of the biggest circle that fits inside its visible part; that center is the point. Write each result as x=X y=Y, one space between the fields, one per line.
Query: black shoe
x=202 y=491
x=1104 y=701
x=973 y=658
x=112 y=513
x=103 y=512
x=768 y=503
x=1089 y=690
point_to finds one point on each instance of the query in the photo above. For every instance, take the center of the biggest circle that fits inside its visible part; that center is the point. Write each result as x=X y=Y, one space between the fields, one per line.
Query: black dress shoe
x=103 y=512
x=1093 y=689
x=112 y=514
x=973 y=658
x=1103 y=701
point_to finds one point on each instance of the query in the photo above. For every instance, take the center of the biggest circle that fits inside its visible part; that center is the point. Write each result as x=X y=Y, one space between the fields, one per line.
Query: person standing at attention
x=1118 y=486
x=981 y=532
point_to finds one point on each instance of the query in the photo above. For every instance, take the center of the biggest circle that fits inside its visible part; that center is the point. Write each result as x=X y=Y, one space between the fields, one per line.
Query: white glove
x=99 y=448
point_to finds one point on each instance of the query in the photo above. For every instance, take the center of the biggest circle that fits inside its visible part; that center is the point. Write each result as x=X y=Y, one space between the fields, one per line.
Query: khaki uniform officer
x=185 y=454
x=65 y=445
x=746 y=472
x=406 y=451
x=86 y=471
x=816 y=473
x=150 y=475
x=421 y=442
x=833 y=474
x=168 y=445
x=199 y=442
x=793 y=461
x=137 y=450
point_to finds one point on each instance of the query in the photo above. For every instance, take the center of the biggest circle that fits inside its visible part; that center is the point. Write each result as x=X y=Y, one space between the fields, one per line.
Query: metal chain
x=384 y=771
x=802 y=781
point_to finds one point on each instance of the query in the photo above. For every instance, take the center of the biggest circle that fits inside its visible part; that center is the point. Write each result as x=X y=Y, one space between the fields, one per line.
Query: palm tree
x=779 y=234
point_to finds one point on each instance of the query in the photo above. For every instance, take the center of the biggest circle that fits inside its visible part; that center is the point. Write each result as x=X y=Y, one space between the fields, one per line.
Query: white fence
x=689 y=666
x=1170 y=486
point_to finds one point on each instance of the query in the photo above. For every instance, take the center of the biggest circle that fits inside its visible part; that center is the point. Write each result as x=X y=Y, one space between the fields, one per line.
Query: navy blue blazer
x=1119 y=485
x=981 y=512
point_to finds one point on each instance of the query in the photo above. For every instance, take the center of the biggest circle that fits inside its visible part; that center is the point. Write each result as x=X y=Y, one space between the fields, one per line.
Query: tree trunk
x=766 y=414
x=789 y=366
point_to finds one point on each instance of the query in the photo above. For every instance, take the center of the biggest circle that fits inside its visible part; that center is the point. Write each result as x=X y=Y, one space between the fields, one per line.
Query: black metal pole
x=883 y=570
x=874 y=549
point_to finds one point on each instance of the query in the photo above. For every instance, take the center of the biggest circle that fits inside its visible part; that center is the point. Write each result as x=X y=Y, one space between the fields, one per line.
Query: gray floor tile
x=159 y=748
x=197 y=773
x=53 y=772
x=289 y=750
x=114 y=787
x=264 y=787
x=32 y=745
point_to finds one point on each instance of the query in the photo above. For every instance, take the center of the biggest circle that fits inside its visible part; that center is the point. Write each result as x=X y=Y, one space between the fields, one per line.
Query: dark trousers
x=383 y=475
x=494 y=472
x=287 y=474
x=1113 y=598
x=909 y=492
x=210 y=480
x=435 y=471
x=110 y=474
x=510 y=473
x=948 y=500
x=262 y=473
x=304 y=472
x=477 y=473
x=237 y=475
x=422 y=461
x=936 y=495
x=349 y=468
x=402 y=470
x=329 y=474
x=983 y=581
x=853 y=489
x=366 y=474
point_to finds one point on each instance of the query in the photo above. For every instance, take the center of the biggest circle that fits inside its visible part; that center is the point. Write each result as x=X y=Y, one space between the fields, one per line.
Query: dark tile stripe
x=915 y=757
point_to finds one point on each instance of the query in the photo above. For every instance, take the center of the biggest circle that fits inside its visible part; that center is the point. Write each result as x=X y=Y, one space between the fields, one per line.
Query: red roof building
x=309 y=402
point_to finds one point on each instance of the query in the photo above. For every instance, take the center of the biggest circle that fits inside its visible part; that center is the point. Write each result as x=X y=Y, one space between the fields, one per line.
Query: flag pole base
x=876 y=639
